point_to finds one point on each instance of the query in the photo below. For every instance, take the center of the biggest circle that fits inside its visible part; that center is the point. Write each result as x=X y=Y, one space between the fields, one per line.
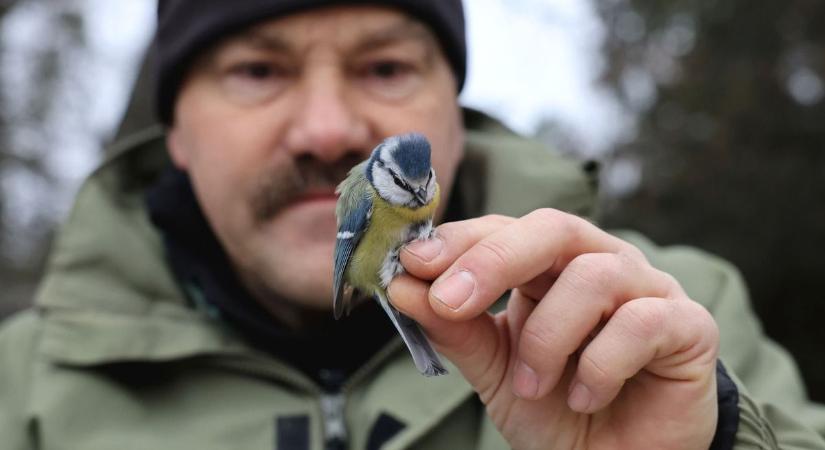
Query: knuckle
x=633 y=253
x=645 y=320
x=593 y=371
x=548 y=216
x=498 y=219
x=702 y=322
x=535 y=341
x=552 y=219
x=448 y=229
x=630 y=258
x=571 y=227
x=594 y=270
x=501 y=254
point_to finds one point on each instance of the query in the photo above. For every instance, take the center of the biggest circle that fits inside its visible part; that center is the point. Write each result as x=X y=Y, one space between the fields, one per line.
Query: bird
x=385 y=202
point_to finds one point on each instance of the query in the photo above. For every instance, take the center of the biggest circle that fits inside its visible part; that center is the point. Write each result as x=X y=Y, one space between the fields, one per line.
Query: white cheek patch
x=431 y=188
x=387 y=189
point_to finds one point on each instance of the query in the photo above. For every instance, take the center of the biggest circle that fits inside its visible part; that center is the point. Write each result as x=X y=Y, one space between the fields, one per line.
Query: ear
x=177 y=151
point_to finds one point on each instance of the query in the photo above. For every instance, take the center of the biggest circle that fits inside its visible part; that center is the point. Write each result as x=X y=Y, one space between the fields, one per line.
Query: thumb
x=475 y=345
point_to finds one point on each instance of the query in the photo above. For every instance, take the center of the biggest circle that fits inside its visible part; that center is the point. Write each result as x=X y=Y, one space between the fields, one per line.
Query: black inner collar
x=198 y=261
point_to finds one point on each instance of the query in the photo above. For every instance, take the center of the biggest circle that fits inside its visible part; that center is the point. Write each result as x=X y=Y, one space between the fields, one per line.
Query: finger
x=474 y=346
x=542 y=241
x=536 y=288
x=427 y=259
x=589 y=291
x=673 y=339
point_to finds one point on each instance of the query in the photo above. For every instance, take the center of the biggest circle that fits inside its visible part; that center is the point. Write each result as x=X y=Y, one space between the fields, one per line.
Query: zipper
x=332 y=393
x=335 y=427
x=335 y=390
x=333 y=402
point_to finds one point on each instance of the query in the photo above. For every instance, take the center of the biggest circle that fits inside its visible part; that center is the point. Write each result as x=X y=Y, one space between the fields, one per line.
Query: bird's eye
x=398 y=181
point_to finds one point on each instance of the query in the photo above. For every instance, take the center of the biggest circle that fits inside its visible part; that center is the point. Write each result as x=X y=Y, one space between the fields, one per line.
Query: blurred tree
x=731 y=139
x=33 y=80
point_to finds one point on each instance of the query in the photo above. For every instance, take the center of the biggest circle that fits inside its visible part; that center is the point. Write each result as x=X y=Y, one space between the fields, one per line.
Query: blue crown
x=412 y=154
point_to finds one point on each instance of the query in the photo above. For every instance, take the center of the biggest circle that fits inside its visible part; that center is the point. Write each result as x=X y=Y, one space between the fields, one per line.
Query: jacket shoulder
x=505 y=173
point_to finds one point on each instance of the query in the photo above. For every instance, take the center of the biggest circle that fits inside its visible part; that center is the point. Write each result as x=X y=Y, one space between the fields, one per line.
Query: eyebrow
x=405 y=30
x=265 y=40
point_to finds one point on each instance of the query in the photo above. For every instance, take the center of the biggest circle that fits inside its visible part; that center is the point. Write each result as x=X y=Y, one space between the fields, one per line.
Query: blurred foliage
x=731 y=140
x=31 y=82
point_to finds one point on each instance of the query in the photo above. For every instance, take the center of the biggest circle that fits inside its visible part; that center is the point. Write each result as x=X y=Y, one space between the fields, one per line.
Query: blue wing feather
x=350 y=230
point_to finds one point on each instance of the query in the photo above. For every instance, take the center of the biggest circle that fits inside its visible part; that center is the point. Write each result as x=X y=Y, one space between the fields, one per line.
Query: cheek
x=225 y=151
x=222 y=181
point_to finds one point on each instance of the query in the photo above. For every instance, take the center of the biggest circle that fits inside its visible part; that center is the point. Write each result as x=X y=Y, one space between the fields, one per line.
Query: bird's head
x=400 y=171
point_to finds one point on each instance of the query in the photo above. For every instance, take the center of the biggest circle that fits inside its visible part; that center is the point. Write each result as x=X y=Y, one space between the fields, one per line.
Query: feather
x=350 y=231
x=425 y=358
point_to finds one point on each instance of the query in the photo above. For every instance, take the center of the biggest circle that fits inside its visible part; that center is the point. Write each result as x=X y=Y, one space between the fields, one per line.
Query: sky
x=528 y=61
x=539 y=60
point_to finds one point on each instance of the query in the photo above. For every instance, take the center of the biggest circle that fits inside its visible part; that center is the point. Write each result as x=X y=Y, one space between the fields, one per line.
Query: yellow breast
x=386 y=232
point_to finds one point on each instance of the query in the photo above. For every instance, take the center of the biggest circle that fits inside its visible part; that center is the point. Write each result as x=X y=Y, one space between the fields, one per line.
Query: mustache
x=280 y=186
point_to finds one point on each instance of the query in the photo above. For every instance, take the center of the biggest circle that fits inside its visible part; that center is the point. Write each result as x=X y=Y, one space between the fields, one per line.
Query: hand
x=596 y=348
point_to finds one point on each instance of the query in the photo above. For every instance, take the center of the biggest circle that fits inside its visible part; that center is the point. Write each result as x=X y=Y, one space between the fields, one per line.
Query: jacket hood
x=109 y=296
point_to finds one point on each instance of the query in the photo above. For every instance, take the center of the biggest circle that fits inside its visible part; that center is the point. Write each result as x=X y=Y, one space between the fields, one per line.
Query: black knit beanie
x=186 y=27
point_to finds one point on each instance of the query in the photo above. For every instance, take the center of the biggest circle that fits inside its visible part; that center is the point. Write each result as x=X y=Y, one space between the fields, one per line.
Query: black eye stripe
x=398 y=181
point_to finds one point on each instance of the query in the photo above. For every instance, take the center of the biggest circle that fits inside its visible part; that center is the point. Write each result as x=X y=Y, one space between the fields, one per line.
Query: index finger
x=427 y=259
x=544 y=241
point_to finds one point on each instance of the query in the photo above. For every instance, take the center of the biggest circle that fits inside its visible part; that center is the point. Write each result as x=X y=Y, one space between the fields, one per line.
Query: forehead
x=345 y=28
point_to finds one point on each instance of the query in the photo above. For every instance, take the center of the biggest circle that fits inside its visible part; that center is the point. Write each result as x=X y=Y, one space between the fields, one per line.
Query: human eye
x=255 y=81
x=390 y=78
x=389 y=70
x=256 y=71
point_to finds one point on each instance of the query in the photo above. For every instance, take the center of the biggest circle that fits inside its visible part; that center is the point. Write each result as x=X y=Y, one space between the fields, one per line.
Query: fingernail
x=455 y=290
x=525 y=381
x=580 y=398
x=427 y=249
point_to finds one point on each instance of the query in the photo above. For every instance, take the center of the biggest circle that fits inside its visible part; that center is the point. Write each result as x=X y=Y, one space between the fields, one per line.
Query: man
x=188 y=300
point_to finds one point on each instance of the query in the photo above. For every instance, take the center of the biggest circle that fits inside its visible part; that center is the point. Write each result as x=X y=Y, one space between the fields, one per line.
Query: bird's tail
x=426 y=359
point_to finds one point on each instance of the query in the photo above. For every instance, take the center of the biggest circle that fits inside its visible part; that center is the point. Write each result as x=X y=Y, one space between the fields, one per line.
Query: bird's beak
x=421 y=196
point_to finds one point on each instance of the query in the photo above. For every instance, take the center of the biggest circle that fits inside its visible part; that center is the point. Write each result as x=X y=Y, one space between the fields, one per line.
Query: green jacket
x=112 y=357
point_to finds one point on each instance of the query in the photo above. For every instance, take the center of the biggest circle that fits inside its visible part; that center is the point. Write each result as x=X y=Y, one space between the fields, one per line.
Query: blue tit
x=385 y=202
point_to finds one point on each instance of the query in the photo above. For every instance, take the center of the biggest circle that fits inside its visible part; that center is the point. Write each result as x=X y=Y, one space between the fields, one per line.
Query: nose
x=326 y=123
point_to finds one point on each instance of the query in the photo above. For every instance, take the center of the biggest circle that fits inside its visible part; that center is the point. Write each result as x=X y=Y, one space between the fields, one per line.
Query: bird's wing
x=350 y=229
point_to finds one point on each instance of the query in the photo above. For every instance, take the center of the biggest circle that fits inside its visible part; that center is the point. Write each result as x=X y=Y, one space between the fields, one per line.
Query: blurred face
x=271 y=120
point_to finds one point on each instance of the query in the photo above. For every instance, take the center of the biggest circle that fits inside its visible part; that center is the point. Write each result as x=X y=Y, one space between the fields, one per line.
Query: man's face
x=270 y=120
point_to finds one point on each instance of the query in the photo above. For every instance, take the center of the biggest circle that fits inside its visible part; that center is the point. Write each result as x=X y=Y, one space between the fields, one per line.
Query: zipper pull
x=333 y=405
x=335 y=428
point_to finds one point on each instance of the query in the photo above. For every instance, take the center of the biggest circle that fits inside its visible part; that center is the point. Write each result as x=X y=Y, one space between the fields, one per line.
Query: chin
x=306 y=284
x=305 y=222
